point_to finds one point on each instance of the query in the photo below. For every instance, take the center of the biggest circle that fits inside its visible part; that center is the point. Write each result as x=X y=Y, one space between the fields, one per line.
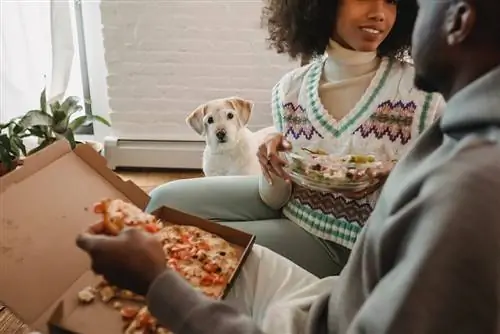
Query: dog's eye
x=210 y=120
x=230 y=115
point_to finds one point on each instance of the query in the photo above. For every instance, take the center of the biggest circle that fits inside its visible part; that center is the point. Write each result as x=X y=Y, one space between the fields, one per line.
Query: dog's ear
x=195 y=119
x=243 y=108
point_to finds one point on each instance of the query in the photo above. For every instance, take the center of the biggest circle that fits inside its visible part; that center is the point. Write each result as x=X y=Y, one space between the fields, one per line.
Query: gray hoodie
x=428 y=261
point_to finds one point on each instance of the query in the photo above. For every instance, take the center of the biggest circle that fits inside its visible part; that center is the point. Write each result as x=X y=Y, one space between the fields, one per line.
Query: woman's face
x=363 y=25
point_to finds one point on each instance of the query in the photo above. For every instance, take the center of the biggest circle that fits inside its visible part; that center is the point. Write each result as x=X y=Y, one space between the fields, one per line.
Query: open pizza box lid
x=43 y=206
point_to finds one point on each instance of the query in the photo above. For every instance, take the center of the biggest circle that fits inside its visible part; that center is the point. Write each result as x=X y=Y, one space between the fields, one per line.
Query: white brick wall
x=165 y=57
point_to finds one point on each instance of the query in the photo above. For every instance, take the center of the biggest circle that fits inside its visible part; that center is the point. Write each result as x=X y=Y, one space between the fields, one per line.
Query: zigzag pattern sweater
x=389 y=116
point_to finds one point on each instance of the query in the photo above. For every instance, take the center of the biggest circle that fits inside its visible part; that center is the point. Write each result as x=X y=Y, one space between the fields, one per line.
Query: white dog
x=230 y=146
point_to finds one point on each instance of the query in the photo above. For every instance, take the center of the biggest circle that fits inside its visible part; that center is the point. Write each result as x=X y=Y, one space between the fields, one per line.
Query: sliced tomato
x=99 y=207
x=151 y=228
x=211 y=267
x=145 y=320
x=220 y=280
x=129 y=312
x=203 y=245
x=207 y=280
x=211 y=279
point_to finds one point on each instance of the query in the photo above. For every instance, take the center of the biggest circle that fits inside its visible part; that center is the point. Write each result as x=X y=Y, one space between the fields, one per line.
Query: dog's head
x=219 y=121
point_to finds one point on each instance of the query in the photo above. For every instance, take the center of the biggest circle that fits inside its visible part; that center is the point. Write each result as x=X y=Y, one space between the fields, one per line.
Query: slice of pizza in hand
x=145 y=323
x=118 y=214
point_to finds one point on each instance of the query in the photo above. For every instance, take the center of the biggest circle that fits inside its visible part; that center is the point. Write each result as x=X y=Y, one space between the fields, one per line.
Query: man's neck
x=470 y=73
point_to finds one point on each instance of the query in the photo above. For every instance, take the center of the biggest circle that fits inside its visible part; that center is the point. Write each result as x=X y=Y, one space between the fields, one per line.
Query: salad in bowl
x=320 y=170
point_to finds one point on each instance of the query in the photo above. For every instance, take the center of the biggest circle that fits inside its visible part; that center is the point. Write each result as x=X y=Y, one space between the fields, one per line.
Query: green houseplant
x=12 y=147
x=56 y=121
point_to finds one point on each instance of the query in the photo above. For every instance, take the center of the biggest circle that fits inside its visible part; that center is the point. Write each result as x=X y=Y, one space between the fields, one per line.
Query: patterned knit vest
x=388 y=117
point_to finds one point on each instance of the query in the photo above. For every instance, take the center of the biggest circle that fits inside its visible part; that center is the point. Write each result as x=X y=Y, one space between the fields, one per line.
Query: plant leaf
x=16 y=129
x=70 y=104
x=74 y=110
x=61 y=121
x=71 y=138
x=18 y=143
x=36 y=117
x=5 y=142
x=43 y=101
x=100 y=119
x=6 y=160
x=77 y=123
x=58 y=115
x=37 y=131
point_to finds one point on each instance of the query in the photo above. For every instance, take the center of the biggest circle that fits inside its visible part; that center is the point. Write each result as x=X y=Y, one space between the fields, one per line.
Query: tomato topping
x=99 y=207
x=219 y=280
x=211 y=279
x=151 y=228
x=129 y=312
x=203 y=245
x=182 y=254
x=211 y=267
x=144 y=320
x=185 y=238
x=207 y=280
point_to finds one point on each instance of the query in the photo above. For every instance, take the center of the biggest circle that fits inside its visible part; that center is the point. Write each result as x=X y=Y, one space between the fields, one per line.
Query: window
x=39 y=48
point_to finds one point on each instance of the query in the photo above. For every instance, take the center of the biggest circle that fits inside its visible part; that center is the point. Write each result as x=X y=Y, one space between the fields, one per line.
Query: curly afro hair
x=302 y=28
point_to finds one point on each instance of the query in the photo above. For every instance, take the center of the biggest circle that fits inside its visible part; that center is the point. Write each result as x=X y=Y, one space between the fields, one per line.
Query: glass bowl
x=322 y=171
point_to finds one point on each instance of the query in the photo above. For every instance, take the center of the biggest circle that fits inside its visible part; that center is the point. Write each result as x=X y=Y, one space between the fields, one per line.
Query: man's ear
x=460 y=20
x=242 y=107
x=195 y=119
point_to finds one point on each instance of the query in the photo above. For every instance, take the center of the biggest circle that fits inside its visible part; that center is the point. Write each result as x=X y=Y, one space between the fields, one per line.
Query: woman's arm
x=277 y=193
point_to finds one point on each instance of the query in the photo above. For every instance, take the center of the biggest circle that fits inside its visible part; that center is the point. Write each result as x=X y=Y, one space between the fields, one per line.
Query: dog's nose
x=221 y=134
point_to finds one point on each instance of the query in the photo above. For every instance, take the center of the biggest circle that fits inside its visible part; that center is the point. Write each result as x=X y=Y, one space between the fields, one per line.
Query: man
x=429 y=259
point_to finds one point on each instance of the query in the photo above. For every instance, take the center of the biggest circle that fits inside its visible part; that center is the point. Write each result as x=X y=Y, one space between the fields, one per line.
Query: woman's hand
x=131 y=260
x=269 y=159
x=379 y=177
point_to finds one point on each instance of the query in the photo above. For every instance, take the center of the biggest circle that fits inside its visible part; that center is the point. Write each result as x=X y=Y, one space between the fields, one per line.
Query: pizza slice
x=118 y=214
x=145 y=323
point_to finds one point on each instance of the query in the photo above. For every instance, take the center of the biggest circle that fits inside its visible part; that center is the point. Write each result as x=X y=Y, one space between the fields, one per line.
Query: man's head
x=455 y=42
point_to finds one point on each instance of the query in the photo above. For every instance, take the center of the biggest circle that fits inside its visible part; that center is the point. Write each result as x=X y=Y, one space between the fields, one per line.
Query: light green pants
x=235 y=201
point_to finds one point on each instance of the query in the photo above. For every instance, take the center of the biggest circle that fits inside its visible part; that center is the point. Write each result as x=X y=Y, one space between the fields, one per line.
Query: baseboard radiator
x=153 y=153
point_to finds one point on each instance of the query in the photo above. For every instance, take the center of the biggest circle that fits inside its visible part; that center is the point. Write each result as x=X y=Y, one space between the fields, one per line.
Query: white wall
x=165 y=57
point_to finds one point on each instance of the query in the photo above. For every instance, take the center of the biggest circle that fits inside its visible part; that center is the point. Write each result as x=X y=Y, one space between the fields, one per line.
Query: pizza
x=204 y=259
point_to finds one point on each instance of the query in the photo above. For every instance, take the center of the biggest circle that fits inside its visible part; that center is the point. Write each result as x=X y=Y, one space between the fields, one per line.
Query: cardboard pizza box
x=43 y=206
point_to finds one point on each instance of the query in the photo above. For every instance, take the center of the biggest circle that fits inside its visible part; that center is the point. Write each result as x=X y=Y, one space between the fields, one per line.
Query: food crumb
x=107 y=293
x=86 y=295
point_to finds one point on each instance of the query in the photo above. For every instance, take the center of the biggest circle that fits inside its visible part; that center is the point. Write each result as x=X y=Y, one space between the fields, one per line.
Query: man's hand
x=131 y=260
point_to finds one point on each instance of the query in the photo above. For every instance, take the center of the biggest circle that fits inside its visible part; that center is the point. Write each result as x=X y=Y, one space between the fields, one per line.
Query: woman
x=359 y=97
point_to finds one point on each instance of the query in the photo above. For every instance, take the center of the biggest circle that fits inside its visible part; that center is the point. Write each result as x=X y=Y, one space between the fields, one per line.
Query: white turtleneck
x=346 y=76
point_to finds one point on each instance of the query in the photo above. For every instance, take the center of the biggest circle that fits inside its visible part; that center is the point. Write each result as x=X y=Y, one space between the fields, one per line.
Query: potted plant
x=56 y=121
x=12 y=147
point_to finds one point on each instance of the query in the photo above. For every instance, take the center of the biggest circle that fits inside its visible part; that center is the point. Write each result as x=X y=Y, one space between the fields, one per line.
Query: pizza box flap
x=43 y=206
